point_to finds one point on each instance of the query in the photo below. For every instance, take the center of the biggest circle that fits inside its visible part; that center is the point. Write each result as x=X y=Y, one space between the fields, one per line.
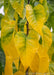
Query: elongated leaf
x=26 y=46
x=47 y=38
x=7 y=39
x=42 y=59
x=46 y=8
x=35 y=16
x=40 y=63
x=44 y=3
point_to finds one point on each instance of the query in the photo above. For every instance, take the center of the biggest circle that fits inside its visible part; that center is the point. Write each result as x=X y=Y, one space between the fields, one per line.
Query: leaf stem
x=28 y=1
x=27 y=22
x=27 y=27
x=27 y=71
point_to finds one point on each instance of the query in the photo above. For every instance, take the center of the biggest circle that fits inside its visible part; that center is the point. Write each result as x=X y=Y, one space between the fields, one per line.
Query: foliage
x=26 y=37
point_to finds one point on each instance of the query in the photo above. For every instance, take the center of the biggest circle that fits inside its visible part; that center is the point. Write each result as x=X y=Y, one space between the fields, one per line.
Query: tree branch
x=27 y=22
x=27 y=27
x=28 y=1
x=27 y=34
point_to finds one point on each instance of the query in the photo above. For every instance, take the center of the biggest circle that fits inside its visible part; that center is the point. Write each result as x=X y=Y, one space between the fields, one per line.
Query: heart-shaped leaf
x=26 y=46
x=7 y=39
x=35 y=16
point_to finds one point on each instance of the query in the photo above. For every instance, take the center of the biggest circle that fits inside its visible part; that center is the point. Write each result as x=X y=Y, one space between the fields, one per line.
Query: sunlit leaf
x=7 y=40
x=35 y=16
x=44 y=3
x=26 y=46
x=40 y=63
x=47 y=38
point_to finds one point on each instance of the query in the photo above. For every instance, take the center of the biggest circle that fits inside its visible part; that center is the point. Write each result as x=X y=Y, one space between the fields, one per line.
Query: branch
x=28 y=1
x=27 y=22
x=27 y=27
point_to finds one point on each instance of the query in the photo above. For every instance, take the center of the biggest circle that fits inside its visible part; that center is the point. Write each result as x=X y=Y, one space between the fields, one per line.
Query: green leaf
x=0 y=42
x=51 y=50
x=51 y=5
x=51 y=21
x=21 y=24
x=8 y=27
x=53 y=57
x=46 y=8
x=51 y=68
x=6 y=2
x=2 y=58
x=47 y=37
x=7 y=39
x=44 y=3
x=9 y=11
x=18 y=5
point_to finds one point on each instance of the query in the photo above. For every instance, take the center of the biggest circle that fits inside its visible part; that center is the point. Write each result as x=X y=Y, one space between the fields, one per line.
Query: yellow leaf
x=16 y=16
x=47 y=38
x=18 y=5
x=35 y=16
x=6 y=22
x=44 y=3
x=41 y=1
x=19 y=73
x=8 y=66
x=41 y=59
x=40 y=63
x=26 y=46
x=7 y=40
